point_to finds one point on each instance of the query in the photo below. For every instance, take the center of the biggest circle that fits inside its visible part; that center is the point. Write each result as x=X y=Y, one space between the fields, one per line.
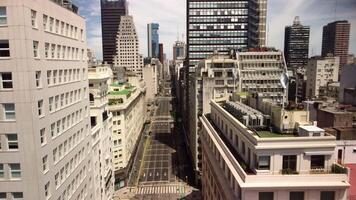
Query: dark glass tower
x=296 y=45
x=336 y=38
x=111 y=12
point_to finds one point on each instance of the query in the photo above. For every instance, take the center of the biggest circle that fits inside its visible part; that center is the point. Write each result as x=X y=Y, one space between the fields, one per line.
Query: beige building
x=44 y=104
x=127 y=104
x=127 y=47
x=101 y=128
x=151 y=74
x=321 y=71
x=244 y=163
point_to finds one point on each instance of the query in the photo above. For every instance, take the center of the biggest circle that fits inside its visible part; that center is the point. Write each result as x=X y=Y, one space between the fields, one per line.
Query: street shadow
x=195 y=195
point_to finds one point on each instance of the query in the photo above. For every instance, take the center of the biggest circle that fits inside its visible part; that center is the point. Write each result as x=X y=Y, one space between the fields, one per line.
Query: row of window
x=223 y=19
x=218 y=12
x=262 y=64
x=225 y=26
x=232 y=33
x=68 y=169
x=297 y=195
x=276 y=57
x=55 y=51
x=219 y=4
x=62 y=125
x=223 y=41
x=10 y=171
x=211 y=48
x=57 y=77
x=59 y=27
x=65 y=99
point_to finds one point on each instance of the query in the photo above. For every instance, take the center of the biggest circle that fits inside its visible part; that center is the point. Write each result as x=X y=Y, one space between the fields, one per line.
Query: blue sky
x=170 y=14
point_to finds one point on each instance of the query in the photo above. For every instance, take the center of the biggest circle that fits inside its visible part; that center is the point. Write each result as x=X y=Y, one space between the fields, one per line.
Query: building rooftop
x=311 y=128
x=269 y=134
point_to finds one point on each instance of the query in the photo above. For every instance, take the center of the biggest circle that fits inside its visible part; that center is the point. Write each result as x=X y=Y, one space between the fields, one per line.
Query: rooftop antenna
x=335 y=10
x=177 y=32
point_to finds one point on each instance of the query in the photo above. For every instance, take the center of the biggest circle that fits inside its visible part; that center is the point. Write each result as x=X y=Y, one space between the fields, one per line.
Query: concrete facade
x=46 y=106
x=127 y=47
x=103 y=175
x=320 y=72
x=238 y=162
x=151 y=76
x=127 y=105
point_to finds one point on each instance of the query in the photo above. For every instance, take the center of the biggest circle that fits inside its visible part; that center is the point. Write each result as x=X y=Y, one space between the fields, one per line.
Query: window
x=263 y=163
x=2 y=171
x=3 y=18
x=53 y=126
x=35 y=49
x=9 y=111
x=17 y=195
x=45 y=19
x=34 y=18
x=46 y=50
x=38 y=79
x=12 y=141
x=296 y=196
x=317 y=161
x=4 y=49
x=53 y=51
x=15 y=170
x=265 y=195
x=327 y=195
x=40 y=108
x=290 y=163
x=45 y=164
x=6 y=80
x=47 y=191
x=43 y=138
x=50 y=104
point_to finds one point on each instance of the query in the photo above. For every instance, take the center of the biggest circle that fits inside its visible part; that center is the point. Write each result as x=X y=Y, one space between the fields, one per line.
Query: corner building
x=44 y=104
x=242 y=163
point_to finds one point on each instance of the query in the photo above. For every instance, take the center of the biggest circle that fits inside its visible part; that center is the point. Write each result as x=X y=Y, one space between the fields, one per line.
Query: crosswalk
x=165 y=189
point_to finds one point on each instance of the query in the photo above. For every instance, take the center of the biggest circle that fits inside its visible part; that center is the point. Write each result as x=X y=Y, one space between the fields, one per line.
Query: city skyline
x=280 y=14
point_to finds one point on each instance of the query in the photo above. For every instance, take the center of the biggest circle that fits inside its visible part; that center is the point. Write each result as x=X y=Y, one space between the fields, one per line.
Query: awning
x=318 y=153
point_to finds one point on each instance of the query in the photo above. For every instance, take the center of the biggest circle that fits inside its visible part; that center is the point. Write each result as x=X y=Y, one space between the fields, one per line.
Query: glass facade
x=153 y=40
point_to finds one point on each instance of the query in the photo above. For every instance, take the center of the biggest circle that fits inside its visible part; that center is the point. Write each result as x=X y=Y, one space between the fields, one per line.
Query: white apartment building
x=128 y=106
x=44 y=104
x=321 y=71
x=242 y=163
x=151 y=76
x=127 y=47
x=220 y=76
x=101 y=128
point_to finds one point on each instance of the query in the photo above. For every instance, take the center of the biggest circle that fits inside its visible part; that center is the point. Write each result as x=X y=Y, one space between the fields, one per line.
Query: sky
x=171 y=15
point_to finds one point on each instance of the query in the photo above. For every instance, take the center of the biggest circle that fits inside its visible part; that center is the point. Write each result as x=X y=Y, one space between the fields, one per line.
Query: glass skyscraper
x=153 y=40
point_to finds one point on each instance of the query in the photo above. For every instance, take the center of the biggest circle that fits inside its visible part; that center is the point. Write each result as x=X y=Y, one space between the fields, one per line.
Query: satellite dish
x=284 y=80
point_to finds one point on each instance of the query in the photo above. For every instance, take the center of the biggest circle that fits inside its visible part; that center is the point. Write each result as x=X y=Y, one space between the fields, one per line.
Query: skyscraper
x=153 y=40
x=44 y=104
x=224 y=25
x=296 y=45
x=160 y=56
x=179 y=50
x=111 y=12
x=336 y=36
x=127 y=47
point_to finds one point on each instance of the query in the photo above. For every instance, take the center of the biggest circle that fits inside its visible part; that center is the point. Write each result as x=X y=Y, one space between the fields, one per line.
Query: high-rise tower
x=111 y=13
x=336 y=38
x=153 y=40
x=296 y=45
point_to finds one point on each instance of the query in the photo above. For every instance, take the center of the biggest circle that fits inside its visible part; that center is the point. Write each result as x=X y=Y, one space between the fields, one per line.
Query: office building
x=336 y=38
x=127 y=105
x=151 y=74
x=321 y=71
x=101 y=127
x=153 y=40
x=347 y=90
x=240 y=161
x=111 y=13
x=296 y=45
x=179 y=50
x=224 y=25
x=44 y=104
x=127 y=47
x=161 y=56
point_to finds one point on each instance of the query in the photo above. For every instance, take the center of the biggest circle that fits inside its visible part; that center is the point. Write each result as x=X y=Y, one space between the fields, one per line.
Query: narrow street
x=163 y=170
